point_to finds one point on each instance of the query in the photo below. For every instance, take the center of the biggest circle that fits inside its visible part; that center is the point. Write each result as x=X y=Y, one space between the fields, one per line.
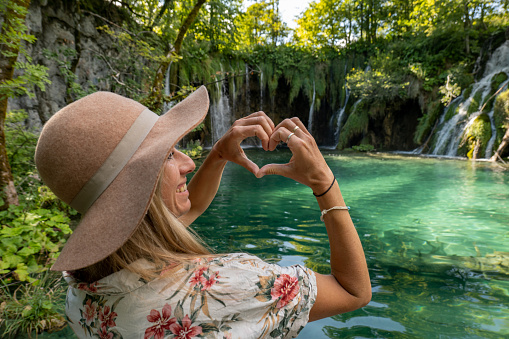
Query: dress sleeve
x=274 y=301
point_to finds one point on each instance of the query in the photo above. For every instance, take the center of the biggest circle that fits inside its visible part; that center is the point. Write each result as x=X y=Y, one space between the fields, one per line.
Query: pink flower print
x=286 y=288
x=211 y=281
x=88 y=287
x=185 y=331
x=107 y=318
x=103 y=333
x=90 y=312
x=162 y=323
x=198 y=277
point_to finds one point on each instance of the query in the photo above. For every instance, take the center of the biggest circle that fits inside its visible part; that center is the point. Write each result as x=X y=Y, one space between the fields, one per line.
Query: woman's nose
x=186 y=164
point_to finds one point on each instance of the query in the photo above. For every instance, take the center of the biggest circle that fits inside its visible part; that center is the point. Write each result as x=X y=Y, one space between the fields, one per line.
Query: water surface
x=429 y=228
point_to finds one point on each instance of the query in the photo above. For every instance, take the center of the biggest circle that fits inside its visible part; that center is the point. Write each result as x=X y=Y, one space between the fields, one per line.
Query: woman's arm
x=348 y=287
x=205 y=183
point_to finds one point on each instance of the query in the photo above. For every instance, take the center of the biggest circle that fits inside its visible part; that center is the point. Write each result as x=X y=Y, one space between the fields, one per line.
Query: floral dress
x=231 y=296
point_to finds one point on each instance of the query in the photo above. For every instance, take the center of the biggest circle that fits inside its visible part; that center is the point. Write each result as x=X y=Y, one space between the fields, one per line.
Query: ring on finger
x=296 y=128
x=289 y=136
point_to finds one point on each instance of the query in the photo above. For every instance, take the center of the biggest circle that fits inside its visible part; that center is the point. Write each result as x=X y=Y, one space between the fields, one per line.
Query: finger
x=265 y=116
x=242 y=132
x=257 y=119
x=280 y=134
x=275 y=169
x=299 y=123
x=245 y=162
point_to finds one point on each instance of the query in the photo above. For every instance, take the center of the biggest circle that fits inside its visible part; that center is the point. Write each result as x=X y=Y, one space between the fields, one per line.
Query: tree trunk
x=501 y=147
x=156 y=95
x=7 y=188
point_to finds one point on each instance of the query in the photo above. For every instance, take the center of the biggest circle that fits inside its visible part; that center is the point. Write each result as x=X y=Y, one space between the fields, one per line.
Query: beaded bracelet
x=328 y=189
x=324 y=212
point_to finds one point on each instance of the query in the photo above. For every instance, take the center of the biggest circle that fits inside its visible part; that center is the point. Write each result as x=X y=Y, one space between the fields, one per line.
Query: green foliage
x=35 y=306
x=32 y=233
x=14 y=35
x=63 y=58
x=261 y=24
x=363 y=148
x=20 y=144
x=427 y=121
x=376 y=85
x=31 y=239
x=193 y=149
x=24 y=84
x=450 y=90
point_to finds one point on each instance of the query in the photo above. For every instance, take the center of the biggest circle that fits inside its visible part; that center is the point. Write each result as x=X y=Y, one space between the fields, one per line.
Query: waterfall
x=449 y=136
x=167 y=105
x=261 y=91
x=220 y=111
x=338 y=116
x=311 y=109
x=248 y=103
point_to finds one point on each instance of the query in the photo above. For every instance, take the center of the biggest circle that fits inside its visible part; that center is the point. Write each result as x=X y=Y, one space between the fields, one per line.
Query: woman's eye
x=170 y=156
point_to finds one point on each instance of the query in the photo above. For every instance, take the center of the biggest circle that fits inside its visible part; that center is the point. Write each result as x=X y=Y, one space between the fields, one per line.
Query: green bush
x=32 y=307
x=363 y=148
x=31 y=239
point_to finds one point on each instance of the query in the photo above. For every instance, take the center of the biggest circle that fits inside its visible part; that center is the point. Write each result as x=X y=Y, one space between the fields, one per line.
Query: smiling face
x=174 y=182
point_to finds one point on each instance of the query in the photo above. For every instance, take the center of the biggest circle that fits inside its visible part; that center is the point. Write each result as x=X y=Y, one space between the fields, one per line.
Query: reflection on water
x=434 y=233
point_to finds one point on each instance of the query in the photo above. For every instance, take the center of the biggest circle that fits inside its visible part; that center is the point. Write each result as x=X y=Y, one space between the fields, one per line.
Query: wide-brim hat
x=102 y=155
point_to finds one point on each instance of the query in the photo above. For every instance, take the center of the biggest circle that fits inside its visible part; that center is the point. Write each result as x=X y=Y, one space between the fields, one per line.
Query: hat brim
x=115 y=215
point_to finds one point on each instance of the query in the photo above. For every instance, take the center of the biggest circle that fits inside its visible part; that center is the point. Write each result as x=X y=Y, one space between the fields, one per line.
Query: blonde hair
x=160 y=238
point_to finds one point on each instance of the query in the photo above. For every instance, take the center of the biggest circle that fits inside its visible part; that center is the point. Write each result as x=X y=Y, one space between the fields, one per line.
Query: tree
x=262 y=24
x=12 y=36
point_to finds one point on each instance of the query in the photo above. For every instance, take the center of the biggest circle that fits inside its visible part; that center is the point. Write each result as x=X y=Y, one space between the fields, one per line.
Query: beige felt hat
x=102 y=155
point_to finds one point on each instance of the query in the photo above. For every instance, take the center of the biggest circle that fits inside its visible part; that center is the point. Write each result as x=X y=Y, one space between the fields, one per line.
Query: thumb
x=247 y=164
x=274 y=169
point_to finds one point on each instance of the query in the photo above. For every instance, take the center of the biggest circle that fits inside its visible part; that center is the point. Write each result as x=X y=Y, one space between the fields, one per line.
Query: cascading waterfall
x=167 y=105
x=451 y=131
x=220 y=111
x=311 y=110
x=248 y=103
x=261 y=91
x=339 y=116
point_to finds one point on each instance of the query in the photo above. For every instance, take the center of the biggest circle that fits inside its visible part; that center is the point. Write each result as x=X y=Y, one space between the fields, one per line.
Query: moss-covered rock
x=357 y=123
x=501 y=116
x=478 y=134
x=474 y=103
x=468 y=91
x=497 y=80
x=452 y=110
x=489 y=100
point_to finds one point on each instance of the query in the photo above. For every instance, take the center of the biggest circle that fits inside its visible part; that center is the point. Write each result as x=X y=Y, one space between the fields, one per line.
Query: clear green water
x=420 y=222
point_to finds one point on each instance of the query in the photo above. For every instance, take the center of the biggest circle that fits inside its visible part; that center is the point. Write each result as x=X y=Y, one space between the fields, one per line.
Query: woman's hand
x=254 y=125
x=307 y=164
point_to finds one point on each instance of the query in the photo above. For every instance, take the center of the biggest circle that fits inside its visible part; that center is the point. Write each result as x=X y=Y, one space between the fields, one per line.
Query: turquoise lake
x=423 y=223
x=432 y=229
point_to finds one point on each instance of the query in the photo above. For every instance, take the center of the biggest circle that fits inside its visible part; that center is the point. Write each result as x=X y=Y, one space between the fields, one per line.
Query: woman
x=134 y=267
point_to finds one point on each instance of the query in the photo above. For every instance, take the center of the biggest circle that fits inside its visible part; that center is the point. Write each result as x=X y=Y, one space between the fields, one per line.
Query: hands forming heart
x=306 y=165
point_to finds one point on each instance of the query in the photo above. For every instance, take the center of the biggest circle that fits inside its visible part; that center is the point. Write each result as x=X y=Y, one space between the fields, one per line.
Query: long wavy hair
x=161 y=238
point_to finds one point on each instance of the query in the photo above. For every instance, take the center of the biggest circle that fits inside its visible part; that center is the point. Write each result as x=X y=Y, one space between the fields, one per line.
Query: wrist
x=323 y=183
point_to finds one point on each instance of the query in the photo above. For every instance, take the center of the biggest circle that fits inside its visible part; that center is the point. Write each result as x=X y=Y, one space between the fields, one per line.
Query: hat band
x=116 y=161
